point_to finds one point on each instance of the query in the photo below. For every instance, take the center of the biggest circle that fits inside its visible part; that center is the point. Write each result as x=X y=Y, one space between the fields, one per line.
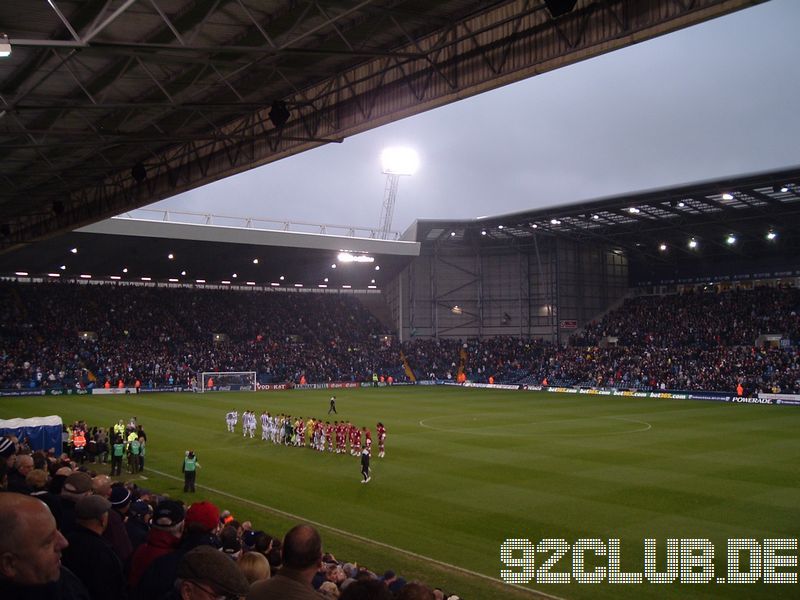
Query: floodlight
x=346 y=257
x=663 y=247
x=771 y=235
x=693 y=243
x=730 y=240
x=727 y=196
x=21 y=273
x=74 y=250
x=399 y=161
x=5 y=46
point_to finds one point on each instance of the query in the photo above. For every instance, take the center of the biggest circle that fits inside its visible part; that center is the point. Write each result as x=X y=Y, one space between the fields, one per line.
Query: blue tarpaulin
x=44 y=432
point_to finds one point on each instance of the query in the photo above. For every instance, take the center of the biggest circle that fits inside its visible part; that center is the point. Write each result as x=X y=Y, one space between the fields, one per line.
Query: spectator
x=30 y=553
x=366 y=590
x=302 y=556
x=254 y=566
x=89 y=556
x=163 y=538
x=209 y=572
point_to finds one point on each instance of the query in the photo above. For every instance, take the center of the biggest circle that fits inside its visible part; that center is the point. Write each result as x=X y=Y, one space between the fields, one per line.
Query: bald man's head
x=302 y=548
x=30 y=547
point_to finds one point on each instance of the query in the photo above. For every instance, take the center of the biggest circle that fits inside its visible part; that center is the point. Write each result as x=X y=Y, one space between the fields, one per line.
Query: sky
x=713 y=100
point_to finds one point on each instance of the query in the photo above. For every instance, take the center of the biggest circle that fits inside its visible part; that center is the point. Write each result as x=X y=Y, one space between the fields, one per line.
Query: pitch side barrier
x=775 y=399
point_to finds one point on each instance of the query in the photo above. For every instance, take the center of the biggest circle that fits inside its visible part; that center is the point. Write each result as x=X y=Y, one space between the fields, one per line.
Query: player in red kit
x=381 y=439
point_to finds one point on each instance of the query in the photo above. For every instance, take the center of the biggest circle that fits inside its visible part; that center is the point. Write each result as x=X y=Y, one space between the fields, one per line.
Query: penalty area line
x=365 y=540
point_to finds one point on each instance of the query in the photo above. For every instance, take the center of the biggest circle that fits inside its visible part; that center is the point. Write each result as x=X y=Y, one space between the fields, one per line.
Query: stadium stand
x=64 y=335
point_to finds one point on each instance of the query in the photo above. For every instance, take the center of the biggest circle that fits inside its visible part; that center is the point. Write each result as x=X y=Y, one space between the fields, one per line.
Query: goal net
x=227 y=381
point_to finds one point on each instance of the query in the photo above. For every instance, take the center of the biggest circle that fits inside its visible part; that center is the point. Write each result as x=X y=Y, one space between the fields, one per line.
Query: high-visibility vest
x=79 y=441
x=189 y=464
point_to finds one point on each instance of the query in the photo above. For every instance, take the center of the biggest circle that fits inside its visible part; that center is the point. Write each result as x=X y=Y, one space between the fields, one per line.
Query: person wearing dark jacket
x=365 y=466
x=200 y=527
x=30 y=553
x=164 y=538
x=89 y=556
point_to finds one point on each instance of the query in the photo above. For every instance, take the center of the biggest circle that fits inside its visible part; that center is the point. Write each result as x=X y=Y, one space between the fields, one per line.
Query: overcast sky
x=716 y=99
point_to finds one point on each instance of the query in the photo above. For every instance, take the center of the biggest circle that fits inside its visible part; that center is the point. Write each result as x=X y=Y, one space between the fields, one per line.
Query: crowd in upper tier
x=161 y=337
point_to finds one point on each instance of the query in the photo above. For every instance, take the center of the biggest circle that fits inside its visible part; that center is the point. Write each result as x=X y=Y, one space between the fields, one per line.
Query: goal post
x=227 y=381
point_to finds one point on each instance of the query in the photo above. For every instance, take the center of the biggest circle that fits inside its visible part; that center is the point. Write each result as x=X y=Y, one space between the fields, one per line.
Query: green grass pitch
x=466 y=469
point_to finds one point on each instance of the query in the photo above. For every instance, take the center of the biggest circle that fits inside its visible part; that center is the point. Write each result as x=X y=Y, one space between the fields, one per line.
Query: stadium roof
x=726 y=217
x=135 y=250
x=106 y=105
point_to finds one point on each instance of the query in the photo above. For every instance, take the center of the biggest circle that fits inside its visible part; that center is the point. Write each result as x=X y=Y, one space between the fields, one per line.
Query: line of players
x=282 y=429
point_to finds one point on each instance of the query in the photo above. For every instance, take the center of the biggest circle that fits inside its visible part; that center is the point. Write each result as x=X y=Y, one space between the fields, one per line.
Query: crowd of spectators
x=162 y=337
x=70 y=533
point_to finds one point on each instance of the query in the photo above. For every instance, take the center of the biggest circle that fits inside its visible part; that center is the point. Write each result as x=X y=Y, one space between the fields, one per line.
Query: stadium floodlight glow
x=255 y=261
x=325 y=280
x=54 y=274
x=275 y=284
x=333 y=266
x=452 y=234
x=456 y=310
x=199 y=280
x=74 y=250
x=727 y=196
x=730 y=240
x=663 y=247
x=321 y=285
x=377 y=267
x=171 y=256
x=251 y=283
x=771 y=235
x=21 y=273
x=115 y=277
x=399 y=161
x=535 y=226
x=347 y=287
x=347 y=257
x=372 y=287
x=143 y=278
x=483 y=232
x=173 y=280
x=63 y=267
x=555 y=222
x=225 y=282
x=298 y=285
x=86 y=276
x=784 y=188
x=633 y=210
x=125 y=270
x=681 y=204
x=692 y=243
x=234 y=275
x=373 y=281
x=596 y=217
x=5 y=46
x=281 y=277
x=183 y=273
x=499 y=226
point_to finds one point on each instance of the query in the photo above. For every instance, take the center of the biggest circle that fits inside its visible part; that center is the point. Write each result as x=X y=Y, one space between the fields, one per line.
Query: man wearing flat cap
x=205 y=573
x=89 y=556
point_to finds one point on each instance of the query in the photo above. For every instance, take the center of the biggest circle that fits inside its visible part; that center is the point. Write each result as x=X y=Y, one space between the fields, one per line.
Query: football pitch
x=467 y=469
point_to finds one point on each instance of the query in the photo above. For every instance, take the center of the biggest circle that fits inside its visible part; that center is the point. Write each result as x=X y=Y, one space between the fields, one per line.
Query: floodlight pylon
x=387 y=209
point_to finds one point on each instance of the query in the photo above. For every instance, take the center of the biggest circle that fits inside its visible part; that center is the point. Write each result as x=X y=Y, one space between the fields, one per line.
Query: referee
x=365 y=465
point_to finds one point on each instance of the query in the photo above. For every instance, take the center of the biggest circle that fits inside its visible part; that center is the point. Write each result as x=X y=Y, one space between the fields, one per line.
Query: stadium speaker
x=279 y=113
x=138 y=172
x=559 y=8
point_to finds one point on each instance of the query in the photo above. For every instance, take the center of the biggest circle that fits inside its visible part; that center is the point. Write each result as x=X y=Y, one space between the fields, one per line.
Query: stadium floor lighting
x=399 y=161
